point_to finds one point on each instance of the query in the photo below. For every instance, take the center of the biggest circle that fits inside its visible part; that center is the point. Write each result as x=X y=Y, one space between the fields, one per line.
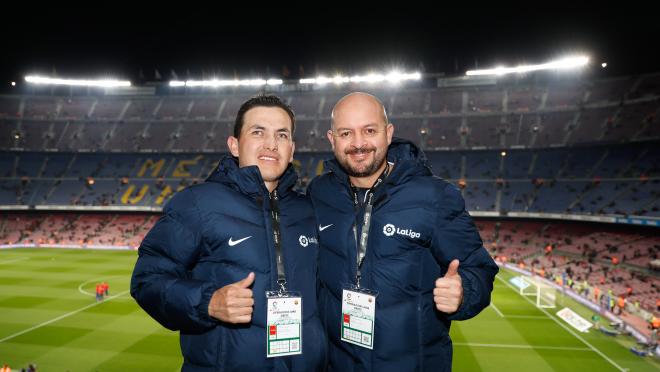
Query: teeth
x=266 y=158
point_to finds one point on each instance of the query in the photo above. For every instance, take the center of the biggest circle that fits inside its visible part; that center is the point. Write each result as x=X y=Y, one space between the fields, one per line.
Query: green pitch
x=48 y=316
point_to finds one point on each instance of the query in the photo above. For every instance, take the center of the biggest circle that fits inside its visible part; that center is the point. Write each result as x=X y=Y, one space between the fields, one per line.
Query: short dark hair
x=262 y=100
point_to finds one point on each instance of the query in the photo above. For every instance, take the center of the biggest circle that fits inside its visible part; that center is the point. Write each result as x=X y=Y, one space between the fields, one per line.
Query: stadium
x=559 y=169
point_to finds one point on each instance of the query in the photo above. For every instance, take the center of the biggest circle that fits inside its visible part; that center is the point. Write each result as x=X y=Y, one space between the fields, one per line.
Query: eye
x=370 y=131
x=284 y=136
x=345 y=133
x=257 y=132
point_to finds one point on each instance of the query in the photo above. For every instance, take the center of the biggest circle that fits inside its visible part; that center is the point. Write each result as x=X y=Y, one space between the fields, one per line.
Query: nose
x=270 y=143
x=359 y=140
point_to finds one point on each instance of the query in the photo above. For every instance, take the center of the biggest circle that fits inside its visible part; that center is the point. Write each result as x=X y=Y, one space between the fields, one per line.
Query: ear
x=293 y=149
x=390 y=132
x=232 y=143
x=331 y=138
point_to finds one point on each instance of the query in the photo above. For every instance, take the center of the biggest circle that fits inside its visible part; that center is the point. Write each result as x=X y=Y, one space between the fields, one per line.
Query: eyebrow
x=364 y=126
x=261 y=127
x=255 y=126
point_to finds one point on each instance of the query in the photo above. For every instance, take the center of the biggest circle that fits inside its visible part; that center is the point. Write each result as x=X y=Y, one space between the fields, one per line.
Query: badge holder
x=358 y=315
x=283 y=322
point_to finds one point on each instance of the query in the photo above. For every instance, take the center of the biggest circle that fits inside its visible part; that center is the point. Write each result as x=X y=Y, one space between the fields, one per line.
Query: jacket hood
x=248 y=179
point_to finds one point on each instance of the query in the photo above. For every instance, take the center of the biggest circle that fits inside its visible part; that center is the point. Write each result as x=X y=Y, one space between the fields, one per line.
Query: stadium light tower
x=560 y=64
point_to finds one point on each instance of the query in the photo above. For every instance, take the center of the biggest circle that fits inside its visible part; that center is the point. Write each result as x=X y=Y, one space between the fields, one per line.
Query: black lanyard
x=277 y=237
x=361 y=243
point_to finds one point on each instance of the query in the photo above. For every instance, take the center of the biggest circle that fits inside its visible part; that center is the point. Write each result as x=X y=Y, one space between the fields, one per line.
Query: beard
x=364 y=170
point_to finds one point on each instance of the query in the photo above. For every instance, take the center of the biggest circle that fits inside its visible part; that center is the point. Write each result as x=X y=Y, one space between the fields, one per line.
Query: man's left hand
x=448 y=292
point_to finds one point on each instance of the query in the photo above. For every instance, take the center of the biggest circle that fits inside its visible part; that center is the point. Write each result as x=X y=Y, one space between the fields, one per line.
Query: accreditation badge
x=283 y=324
x=358 y=308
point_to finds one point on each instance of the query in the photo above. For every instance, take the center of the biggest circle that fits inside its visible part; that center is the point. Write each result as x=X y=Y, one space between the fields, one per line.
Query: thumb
x=247 y=281
x=453 y=269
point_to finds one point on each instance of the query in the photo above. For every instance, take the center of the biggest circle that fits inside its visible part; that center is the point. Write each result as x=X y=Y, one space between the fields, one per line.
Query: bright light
x=215 y=83
x=13 y=83
x=503 y=153
x=603 y=65
x=562 y=64
x=340 y=80
x=322 y=80
x=392 y=77
x=103 y=83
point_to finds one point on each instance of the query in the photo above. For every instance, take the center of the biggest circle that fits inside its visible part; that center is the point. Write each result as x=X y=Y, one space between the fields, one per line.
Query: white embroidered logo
x=390 y=230
x=234 y=242
x=305 y=241
x=321 y=228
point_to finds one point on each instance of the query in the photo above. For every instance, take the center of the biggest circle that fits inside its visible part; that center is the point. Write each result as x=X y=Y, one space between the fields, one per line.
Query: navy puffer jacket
x=419 y=225
x=186 y=257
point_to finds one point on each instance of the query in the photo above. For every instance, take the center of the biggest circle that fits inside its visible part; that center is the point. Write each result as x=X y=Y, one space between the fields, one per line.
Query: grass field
x=48 y=316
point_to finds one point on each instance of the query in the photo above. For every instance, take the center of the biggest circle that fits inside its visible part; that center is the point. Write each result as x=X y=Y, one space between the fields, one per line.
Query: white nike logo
x=234 y=242
x=321 y=228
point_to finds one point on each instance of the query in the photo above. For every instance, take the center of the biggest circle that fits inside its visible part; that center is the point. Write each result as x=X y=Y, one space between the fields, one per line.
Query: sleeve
x=161 y=282
x=456 y=237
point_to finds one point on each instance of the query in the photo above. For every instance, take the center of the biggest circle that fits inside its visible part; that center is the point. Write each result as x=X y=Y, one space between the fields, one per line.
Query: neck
x=270 y=185
x=367 y=182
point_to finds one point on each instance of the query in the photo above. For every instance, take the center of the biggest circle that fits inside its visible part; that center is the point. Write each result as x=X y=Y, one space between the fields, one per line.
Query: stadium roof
x=125 y=43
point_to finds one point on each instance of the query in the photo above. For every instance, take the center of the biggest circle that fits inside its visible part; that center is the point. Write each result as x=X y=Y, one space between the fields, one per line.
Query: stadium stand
x=92 y=170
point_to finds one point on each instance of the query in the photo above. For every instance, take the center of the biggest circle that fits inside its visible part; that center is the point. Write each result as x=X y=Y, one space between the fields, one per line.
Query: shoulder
x=449 y=198
x=321 y=184
x=188 y=203
x=443 y=195
x=322 y=179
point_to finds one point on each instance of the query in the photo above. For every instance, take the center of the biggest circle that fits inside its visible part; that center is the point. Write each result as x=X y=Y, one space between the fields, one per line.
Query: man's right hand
x=233 y=303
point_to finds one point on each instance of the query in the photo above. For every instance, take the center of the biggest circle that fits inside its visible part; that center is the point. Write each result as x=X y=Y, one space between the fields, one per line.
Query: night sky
x=119 y=41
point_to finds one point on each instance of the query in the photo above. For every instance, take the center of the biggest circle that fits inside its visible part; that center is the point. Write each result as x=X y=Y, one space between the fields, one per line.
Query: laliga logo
x=390 y=229
x=304 y=241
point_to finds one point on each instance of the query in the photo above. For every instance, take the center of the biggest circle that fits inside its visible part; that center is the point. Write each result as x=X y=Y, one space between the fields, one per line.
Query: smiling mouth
x=267 y=158
x=359 y=154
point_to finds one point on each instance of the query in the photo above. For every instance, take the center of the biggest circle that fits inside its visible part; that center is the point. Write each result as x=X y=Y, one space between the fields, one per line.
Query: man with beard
x=399 y=256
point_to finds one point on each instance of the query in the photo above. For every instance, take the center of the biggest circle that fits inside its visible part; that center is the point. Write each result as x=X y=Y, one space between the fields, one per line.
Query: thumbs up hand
x=233 y=303
x=448 y=292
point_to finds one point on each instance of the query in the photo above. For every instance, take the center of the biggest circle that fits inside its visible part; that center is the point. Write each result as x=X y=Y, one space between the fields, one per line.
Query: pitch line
x=511 y=346
x=60 y=317
x=566 y=328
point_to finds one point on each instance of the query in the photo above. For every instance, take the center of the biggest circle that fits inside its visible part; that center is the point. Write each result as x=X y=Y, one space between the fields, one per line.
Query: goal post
x=545 y=295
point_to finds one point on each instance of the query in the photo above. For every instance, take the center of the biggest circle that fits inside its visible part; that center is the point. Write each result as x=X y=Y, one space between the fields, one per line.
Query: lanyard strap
x=277 y=238
x=361 y=243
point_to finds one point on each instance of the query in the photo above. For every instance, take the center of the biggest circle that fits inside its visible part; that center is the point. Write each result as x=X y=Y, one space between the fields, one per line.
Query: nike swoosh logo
x=234 y=242
x=321 y=228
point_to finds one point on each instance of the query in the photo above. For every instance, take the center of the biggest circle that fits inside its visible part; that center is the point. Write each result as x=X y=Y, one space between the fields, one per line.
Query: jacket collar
x=248 y=179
